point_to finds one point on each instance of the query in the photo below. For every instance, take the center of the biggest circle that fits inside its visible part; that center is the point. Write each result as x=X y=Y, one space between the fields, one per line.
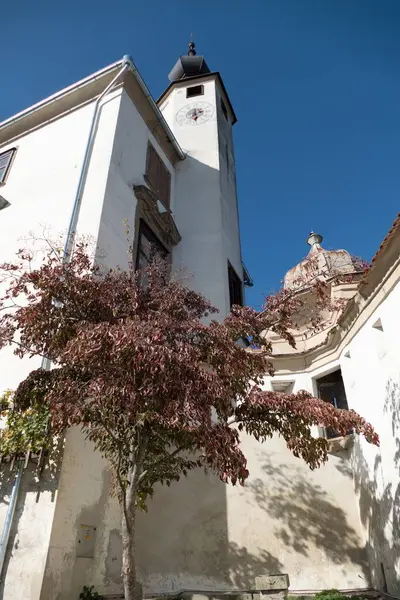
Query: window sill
x=340 y=443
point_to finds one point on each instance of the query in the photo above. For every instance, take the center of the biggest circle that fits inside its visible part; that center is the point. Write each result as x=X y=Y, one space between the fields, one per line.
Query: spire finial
x=314 y=240
x=192 y=51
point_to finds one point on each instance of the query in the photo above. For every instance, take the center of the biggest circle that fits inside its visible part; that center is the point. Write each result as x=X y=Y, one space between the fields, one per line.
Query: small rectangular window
x=235 y=287
x=148 y=247
x=5 y=164
x=331 y=389
x=224 y=109
x=196 y=90
x=158 y=175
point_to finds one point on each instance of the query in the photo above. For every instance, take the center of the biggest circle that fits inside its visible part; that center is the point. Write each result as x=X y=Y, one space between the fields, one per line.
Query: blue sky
x=315 y=85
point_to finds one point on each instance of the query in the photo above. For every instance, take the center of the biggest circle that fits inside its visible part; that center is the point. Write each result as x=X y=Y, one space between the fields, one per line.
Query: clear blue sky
x=315 y=85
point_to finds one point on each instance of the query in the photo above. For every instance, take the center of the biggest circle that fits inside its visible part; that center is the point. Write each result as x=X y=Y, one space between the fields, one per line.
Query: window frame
x=156 y=184
x=12 y=152
x=232 y=276
x=320 y=384
x=193 y=87
x=146 y=231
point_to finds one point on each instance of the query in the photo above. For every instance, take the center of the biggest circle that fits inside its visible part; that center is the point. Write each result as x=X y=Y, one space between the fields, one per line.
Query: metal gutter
x=126 y=60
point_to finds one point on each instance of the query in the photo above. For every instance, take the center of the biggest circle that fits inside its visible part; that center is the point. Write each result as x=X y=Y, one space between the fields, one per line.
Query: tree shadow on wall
x=37 y=489
x=305 y=517
x=183 y=541
x=379 y=501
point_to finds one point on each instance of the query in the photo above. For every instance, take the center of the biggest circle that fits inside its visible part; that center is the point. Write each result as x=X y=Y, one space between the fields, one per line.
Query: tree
x=156 y=388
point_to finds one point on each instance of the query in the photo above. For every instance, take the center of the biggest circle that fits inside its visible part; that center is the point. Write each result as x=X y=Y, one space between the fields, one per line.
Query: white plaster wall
x=89 y=502
x=209 y=238
x=301 y=522
x=372 y=378
x=127 y=168
x=41 y=188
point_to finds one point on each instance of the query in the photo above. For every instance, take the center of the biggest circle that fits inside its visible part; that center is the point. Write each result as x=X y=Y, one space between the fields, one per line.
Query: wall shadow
x=183 y=541
x=30 y=530
x=305 y=517
x=378 y=489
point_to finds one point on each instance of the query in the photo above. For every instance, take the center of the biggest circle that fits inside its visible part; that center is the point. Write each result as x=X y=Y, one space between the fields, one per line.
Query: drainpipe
x=5 y=535
x=69 y=242
x=127 y=64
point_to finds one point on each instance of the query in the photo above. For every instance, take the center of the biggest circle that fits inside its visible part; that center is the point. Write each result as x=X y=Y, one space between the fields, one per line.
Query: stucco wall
x=127 y=168
x=84 y=493
x=41 y=188
x=371 y=375
x=209 y=239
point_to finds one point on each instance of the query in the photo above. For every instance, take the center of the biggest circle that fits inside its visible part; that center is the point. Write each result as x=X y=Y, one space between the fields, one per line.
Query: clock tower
x=199 y=112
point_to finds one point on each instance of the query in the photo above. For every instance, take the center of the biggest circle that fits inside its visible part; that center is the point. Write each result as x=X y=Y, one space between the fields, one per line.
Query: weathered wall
x=30 y=533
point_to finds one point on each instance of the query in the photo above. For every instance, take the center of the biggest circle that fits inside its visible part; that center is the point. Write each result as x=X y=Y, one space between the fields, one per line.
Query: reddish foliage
x=156 y=389
x=139 y=368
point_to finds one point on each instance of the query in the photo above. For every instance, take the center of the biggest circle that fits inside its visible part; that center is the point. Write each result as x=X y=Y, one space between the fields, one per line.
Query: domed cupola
x=319 y=264
x=190 y=65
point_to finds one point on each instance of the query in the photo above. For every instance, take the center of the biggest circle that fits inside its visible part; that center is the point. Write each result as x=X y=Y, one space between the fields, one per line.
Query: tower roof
x=318 y=264
x=189 y=65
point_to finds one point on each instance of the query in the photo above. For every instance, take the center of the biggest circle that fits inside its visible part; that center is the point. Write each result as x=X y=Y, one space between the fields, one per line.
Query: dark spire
x=189 y=65
x=192 y=51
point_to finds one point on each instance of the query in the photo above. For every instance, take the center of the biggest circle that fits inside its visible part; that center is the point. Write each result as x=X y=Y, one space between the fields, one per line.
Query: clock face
x=195 y=113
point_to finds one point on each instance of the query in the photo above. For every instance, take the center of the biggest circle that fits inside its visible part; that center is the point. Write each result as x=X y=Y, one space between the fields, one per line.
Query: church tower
x=198 y=110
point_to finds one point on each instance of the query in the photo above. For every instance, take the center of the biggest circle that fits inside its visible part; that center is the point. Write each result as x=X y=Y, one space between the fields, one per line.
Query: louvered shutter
x=152 y=167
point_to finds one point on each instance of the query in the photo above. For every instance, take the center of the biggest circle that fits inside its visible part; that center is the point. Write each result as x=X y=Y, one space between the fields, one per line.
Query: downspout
x=5 y=535
x=128 y=64
x=69 y=243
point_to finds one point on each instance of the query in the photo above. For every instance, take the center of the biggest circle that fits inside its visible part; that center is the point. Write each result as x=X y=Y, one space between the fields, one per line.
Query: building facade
x=100 y=153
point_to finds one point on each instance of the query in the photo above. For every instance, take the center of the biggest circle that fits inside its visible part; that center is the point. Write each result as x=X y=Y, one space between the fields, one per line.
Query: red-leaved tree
x=156 y=388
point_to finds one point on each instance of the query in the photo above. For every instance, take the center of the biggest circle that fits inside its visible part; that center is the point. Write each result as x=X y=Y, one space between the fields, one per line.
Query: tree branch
x=161 y=460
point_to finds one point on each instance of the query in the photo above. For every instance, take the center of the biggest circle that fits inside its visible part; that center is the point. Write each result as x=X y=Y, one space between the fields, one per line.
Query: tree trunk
x=132 y=589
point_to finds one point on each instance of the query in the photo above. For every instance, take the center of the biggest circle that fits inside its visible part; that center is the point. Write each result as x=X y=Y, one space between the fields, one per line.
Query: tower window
x=224 y=109
x=235 y=287
x=196 y=90
x=158 y=175
x=5 y=164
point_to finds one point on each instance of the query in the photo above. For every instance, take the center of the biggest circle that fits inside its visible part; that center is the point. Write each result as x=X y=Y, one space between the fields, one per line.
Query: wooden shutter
x=158 y=175
x=164 y=184
x=152 y=166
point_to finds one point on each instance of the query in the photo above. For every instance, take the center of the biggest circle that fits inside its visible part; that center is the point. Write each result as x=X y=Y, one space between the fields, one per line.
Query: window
x=331 y=389
x=5 y=164
x=196 y=90
x=235 y=287
x=224 y=110
x=158 y=176
x=148 y=247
